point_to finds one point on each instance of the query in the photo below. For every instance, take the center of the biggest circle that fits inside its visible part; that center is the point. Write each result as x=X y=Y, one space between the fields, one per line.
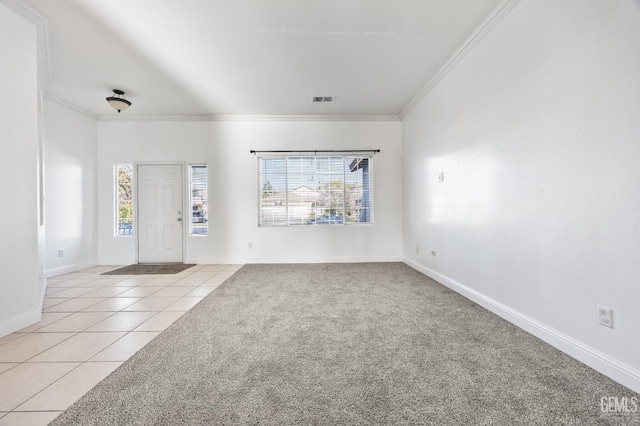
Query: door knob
x=179 y=219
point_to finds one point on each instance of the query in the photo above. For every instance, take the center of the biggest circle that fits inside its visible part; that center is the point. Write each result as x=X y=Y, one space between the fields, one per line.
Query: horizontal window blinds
x=315 y=190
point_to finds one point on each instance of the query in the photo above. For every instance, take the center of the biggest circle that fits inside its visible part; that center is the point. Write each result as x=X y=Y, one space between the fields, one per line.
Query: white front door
x=159 y=213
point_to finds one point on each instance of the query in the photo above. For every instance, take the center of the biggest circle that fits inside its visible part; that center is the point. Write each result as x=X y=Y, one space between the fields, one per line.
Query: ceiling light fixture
x=118 y=102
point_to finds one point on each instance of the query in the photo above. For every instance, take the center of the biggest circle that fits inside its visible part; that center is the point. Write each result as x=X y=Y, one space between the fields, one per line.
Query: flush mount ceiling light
x=118 y=102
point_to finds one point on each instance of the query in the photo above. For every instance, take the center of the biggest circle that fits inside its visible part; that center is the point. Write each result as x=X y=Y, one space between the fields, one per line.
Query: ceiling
x=251 y=57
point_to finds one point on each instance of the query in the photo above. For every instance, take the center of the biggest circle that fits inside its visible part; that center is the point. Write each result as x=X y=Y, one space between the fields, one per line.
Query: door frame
x=185 y=203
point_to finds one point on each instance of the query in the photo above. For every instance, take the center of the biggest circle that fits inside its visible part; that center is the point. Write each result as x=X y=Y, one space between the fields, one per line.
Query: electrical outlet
x=433 y=252
x=417 y=249
x=61 y=253
x=250 y=245
x=605 y=316
x=441 y=177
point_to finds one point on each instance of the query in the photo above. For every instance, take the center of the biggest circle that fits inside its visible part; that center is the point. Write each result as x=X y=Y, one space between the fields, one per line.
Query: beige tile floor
x=90 y=325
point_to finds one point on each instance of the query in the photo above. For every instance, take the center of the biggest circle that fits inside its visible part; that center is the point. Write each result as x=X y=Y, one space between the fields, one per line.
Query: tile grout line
x=48 y=386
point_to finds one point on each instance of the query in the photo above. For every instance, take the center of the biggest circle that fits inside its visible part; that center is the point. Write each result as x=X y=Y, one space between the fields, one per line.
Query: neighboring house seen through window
x=315 y=190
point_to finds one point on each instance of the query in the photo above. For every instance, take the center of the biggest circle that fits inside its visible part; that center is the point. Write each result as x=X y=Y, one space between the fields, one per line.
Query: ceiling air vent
x=317 y=99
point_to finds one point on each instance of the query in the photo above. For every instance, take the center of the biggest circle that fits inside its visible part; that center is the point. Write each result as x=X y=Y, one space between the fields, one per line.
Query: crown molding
x=496 y=15
x=42 y=27
x=66 y=104
x=301 y=118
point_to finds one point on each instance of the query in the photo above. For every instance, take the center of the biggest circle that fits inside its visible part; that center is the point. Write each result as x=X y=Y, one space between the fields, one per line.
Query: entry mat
x=150 y=269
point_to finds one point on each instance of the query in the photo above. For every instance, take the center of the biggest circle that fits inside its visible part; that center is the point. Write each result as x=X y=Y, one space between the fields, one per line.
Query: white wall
x=20 y=278
x=71 y=185
x=537 y=134
x=233 y=180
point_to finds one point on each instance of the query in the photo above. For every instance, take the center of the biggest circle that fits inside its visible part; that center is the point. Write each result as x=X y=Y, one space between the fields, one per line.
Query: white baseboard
x=352 y=259
x=603 y=363
x=206 y=261
x=242 y=261
x=54 y=272
x=20 y=322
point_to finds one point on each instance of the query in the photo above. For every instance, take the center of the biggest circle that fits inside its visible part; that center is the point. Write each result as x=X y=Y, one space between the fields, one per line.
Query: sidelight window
x=199 y=200
x=124 y=199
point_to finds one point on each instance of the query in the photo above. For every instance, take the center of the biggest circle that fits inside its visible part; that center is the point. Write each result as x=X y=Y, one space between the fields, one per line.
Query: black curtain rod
x=317 y=150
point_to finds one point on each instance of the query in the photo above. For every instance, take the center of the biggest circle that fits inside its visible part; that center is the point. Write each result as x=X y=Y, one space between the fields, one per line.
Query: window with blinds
x=315 y=190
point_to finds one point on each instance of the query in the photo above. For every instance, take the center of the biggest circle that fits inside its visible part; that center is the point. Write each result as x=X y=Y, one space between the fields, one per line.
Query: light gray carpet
x=337 y=344
x=150 y=269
